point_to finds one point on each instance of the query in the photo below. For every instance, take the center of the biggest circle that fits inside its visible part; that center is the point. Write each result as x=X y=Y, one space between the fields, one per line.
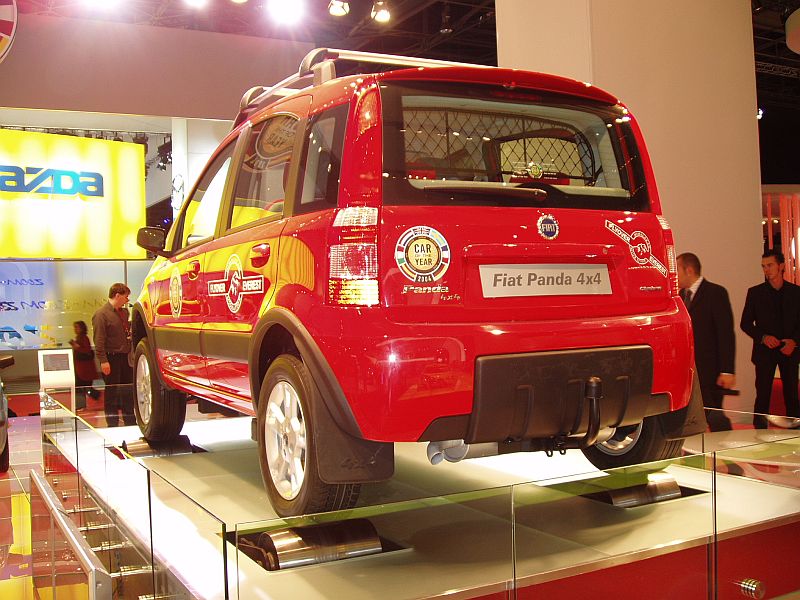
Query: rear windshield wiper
x=537 y=191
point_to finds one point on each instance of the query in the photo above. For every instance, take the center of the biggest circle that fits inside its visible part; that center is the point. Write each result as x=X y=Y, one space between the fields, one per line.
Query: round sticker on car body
x=547 y=226
x=422 y=254
x=175 y=293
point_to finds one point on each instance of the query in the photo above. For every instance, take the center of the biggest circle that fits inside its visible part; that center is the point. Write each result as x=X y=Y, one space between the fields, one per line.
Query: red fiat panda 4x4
x=472 y=257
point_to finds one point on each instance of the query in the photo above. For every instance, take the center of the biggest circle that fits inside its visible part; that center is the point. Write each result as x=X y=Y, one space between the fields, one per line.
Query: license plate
x=504 y=281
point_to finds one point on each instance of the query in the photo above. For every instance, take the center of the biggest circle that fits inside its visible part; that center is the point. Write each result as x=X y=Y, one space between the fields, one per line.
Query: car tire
x=633 y=445
x=160 y=412
x=286 y=444
x=4 y=458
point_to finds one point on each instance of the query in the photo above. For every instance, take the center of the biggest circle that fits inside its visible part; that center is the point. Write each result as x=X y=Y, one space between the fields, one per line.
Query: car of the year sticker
x=639 y=246
x=175 y=293
x=422 y=254
x=234 y=285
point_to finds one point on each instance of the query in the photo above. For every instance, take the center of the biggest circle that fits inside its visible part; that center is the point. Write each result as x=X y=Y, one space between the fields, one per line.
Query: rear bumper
x=410 y=382
x=541 y=394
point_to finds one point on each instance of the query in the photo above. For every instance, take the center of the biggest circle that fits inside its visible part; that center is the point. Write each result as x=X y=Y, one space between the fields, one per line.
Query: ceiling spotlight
x=446 y=28
x=238 y=1
x=140 y=138
x=380 y=12
x=338 y=8
x=286 y=12
x=164 y=155
x=196 y=3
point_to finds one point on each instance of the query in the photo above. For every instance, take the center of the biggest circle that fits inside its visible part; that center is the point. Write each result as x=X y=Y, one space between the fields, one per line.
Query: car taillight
x=353 y=257
x=672 y=263
x=353 y=239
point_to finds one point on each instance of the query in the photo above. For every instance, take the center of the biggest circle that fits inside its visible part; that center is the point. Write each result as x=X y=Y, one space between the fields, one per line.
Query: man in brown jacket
x=112 y=344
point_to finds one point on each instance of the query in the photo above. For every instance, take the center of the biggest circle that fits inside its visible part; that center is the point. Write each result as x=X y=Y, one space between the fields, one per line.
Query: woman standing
x=85 y=366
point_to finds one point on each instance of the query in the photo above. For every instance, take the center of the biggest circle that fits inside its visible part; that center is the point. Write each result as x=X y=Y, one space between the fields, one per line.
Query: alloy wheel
x=622 y=441
x=286 y=442
x=144 y=390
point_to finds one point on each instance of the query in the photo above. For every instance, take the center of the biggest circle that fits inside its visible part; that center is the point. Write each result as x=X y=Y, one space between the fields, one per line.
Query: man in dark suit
x=714 y=341
x=771 y=316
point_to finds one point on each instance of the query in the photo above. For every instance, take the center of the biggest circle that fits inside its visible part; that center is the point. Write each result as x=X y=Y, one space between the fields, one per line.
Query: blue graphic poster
x=40 y=300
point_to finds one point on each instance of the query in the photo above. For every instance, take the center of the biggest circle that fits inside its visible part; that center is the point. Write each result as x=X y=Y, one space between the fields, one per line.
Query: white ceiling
x=22 y=117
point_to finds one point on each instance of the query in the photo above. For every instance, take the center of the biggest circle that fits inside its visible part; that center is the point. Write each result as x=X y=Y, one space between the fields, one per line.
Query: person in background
x=85 y=367
x=771 y=316
x=112 y=342
x=714 y=341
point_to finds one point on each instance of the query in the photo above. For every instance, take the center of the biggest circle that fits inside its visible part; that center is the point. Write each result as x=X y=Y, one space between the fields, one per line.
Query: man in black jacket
x=771 y=316
x=714 y=341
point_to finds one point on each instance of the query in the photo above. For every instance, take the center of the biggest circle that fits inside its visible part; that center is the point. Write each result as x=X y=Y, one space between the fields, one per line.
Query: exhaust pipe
x=457 y=450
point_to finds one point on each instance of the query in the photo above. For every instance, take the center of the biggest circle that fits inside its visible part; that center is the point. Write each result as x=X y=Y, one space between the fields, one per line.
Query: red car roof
x=505 y=77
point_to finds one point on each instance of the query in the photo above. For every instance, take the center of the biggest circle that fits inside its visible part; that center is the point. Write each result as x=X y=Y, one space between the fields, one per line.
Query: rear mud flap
x=689 y=420
x=343 y=458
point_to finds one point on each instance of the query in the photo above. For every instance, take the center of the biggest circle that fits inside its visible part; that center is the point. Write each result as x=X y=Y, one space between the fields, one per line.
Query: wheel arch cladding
x=346 y=456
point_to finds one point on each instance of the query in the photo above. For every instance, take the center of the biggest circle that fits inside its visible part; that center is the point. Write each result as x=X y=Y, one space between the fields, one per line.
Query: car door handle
x=193 y=270
x=259 y=255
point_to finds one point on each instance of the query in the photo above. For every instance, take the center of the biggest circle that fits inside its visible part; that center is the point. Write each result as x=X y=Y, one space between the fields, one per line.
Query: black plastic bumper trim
x=541 y=394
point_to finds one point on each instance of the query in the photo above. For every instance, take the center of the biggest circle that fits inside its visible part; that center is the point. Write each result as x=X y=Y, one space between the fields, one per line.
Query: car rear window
x=449 y=143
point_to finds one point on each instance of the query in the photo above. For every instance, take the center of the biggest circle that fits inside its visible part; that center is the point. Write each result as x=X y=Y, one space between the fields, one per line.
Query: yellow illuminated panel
x=69 y=197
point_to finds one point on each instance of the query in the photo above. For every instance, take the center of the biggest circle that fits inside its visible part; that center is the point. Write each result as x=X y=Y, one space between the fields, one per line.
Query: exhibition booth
x=111 y=515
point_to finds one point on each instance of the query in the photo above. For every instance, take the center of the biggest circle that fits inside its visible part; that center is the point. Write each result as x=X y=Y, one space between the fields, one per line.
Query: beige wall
x=86 y=74
x=100 y=66
x=686 y=70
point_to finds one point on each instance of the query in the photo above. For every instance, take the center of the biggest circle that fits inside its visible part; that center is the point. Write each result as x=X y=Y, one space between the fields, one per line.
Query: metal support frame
x=99 y=578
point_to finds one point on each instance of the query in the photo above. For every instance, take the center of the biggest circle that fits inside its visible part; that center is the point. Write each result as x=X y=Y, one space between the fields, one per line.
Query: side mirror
x=152 y=239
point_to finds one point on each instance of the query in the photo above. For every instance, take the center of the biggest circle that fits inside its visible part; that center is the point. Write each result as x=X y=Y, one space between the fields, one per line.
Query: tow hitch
x=592 y=393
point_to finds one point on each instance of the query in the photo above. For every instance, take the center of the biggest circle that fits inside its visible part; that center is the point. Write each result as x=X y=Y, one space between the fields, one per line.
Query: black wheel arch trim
x=149 y=334
x=330 y=390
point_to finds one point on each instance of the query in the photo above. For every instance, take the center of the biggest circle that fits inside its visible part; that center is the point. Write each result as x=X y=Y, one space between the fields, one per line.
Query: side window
x=261 y=186
x=200 y=215
x=322 y=160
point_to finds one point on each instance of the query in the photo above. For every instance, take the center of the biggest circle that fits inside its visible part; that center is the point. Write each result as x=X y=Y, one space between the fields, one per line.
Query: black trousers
x=82 y=387
x=119 y=391
x=712 y=398
x=765 y=374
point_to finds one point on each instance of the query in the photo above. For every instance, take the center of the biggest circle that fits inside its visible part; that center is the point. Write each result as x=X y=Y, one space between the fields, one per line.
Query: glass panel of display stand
x=474 y=542
x=118 y=504
x=668 y=529
x=641 y=525
x=685 y=528
x=457 y=545
x=757 y=505
x=15 y=512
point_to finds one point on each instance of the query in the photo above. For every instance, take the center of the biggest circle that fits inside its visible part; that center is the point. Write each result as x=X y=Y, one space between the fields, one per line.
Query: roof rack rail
x=318 y=66
x=392 y=60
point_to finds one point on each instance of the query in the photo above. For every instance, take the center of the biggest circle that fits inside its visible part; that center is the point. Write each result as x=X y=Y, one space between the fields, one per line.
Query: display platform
x=524 y=524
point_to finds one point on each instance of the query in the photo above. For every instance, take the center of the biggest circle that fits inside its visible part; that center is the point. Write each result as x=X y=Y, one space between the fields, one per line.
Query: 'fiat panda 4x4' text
x=471 y=257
